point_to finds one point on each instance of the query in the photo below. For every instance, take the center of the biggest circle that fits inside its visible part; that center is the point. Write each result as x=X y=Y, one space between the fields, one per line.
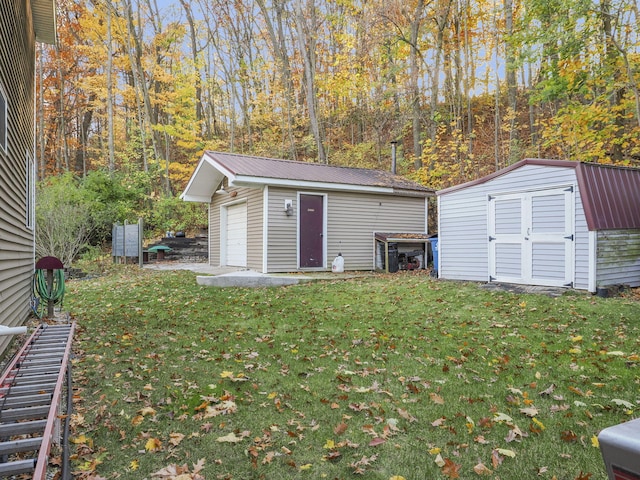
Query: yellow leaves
x=306 y=466
x=538 y=423
x=234 y=378
x=82 y=439
x=134 y=465
x=470 y=424
x=152 y=445
x=330 y=444
x=595 y=442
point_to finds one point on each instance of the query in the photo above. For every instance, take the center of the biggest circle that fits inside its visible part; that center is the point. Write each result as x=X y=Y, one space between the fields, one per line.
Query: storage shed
x=543 y=222
x=273 y=215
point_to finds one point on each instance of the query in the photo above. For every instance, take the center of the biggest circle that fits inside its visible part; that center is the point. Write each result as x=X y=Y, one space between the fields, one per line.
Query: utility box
x=620 y=447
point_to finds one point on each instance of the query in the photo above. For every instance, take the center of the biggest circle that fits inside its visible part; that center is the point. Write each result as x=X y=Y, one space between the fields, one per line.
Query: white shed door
x=236 y=235
x=531 y=237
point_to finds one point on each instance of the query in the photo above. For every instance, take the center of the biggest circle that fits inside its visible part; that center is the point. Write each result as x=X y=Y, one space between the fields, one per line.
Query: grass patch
x=391 y=375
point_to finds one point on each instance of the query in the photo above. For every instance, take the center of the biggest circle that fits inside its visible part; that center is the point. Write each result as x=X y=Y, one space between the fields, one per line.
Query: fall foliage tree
x=465 y=87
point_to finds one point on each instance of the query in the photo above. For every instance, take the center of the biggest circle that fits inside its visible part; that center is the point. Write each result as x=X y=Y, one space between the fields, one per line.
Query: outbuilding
x=272 y=215
x=543 y=222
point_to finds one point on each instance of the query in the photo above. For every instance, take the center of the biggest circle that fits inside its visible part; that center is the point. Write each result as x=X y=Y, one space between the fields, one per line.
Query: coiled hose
x=41 y=288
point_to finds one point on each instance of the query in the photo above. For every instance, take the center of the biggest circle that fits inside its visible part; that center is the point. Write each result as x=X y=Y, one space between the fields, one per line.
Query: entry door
x=531 y=237
x=311 y=231
x=236 y=235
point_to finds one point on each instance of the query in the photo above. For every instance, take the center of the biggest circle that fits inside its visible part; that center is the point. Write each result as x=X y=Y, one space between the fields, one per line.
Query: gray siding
x=463 y=222
x=253 y=198
x=618 y=258
x=17 y=53
x=352 y=218
x=282 y=237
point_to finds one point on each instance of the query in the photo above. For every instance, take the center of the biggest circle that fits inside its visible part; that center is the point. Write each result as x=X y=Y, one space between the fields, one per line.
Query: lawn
x=380 y=377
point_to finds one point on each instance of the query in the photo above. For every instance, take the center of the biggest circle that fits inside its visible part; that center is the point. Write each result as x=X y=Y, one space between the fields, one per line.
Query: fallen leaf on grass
x=181 y=472
x=451 y=469
x=176 y=438
x=435 y=398
x=583 y=476
x=623 y=403
x=506 y=452
x=439 y=422
x=147 y=411
x=340 y=428
x=377 y=441
x=152 y=445
x=482 y=469
x=232 y=437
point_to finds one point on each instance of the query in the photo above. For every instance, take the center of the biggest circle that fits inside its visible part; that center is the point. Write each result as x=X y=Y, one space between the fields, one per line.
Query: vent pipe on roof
x=393 y=156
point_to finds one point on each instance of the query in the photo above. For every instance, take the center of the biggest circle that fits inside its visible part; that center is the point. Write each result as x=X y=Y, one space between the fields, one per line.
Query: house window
x=3 y=121
x=30 y=192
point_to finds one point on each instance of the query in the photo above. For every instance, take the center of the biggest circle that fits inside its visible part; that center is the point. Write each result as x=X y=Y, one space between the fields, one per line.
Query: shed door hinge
x=491 y=239
x=569 y=237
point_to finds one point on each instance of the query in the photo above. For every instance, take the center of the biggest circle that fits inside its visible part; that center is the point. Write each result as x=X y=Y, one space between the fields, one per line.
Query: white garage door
x=236 y=235
x=531 y=237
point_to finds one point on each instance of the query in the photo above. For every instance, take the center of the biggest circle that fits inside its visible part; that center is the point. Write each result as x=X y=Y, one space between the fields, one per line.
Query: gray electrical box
x=620 y=447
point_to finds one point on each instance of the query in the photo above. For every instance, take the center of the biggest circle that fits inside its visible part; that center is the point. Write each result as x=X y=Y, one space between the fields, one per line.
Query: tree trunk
x=306 y=43
x=110 y=141
x=414 y=60
x=512 y=87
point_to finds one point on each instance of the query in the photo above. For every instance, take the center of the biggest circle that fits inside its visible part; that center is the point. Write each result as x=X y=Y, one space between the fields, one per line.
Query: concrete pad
x=250 y=279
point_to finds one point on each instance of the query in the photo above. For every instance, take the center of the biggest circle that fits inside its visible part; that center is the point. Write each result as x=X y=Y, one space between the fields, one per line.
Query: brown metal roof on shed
x=610 y=194
x=270 y=168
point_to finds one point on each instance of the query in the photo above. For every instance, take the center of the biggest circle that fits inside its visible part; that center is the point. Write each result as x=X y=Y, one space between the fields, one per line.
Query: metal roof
x=44 y=20
x=244 y=170
x=610 y=194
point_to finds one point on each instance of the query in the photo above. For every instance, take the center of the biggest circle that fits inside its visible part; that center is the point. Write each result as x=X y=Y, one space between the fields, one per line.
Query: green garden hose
x=40 y=286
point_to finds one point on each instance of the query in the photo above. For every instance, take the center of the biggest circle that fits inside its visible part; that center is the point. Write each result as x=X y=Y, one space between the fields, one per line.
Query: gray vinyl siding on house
x=618 y=258
x=352 y=219
x=463 y=222
x=17 y=48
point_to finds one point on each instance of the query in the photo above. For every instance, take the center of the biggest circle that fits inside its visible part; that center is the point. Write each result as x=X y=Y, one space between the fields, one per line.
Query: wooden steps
x=30 y=395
